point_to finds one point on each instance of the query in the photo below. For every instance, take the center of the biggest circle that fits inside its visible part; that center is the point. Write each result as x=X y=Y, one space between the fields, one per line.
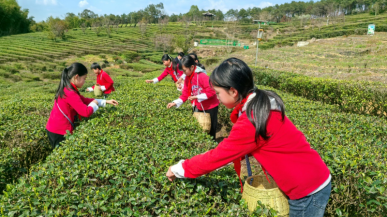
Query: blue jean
x=311 y=206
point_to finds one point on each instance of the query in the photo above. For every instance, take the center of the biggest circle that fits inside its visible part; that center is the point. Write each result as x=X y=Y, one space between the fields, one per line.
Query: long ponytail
x=258 y=110
x=235 y=73
x=66 y=76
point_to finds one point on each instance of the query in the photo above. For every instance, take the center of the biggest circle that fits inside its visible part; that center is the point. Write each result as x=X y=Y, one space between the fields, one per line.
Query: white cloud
x=265 y=4
x=260 y=5
x=83 y=3
x=94 y=9
x=46 y=2
x=218 y=5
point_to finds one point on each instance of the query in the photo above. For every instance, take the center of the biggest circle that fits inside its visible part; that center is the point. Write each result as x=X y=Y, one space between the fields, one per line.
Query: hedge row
x=359 y=97
x=290 y=40
x=23 y=114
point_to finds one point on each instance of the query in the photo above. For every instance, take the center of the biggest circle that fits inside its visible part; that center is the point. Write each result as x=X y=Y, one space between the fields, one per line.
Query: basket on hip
x=204 y=120
x=258 y=188
x=97 y=91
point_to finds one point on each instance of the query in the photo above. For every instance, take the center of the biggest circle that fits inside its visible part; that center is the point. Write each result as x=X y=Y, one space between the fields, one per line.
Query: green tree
x=56 y=28
x=13 y=20
x=72 y=21
x=154 y=12
x=194 y=13
x=88 y=16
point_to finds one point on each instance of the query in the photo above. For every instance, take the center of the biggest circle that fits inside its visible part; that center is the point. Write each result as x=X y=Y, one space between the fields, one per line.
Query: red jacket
x=201 y=88
x=71 y=104
x=103 y=79
x=297 y=169
x=169 y=71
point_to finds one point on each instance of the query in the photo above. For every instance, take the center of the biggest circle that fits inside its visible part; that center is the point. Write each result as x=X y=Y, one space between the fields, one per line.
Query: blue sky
x=42 y=9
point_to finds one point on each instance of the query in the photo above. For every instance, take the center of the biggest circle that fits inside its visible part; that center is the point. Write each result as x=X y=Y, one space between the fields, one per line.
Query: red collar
x=191 y=76
x=235 y=113
x=75 y=88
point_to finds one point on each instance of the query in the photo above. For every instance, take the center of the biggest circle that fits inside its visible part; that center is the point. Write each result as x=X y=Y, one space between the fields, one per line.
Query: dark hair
x=175 y=64
x=235 y=73
x=187 y=61
x=68 y=73
x=181 y=54
x=166 y=57
x=195 y=57
x=95 y=66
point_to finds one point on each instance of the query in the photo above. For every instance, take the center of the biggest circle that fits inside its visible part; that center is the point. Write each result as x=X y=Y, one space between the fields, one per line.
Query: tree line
x=14 y=20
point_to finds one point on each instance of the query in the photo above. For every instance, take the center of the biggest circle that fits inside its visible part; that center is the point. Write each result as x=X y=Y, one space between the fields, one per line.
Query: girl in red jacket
x=69 y=103
x=197 y=89
x=262 y=130
x=182 y=78
x=103 y=79
x=171 y=69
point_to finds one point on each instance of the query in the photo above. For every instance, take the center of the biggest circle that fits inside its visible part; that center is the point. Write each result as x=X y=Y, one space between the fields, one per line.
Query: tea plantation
x=290 y=34
x=115 y=162
x=34 y=57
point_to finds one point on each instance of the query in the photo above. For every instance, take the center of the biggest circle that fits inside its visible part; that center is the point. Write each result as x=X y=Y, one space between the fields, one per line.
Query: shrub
x=360 y=97
x=51 y=75
x=129 y=56
x=115 y=58
x=211 y=61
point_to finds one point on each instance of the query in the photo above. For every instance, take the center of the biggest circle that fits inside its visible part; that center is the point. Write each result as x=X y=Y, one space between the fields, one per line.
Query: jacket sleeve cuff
x=182 y=86
x=101 y=102
x=103 y=88
x=94 y=106
x=178 y=169
x=202 y=97
x=90 y=89
x=178 y=102
x=155 y=80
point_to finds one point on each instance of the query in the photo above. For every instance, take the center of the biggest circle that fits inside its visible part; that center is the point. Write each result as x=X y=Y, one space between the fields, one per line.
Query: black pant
x=55 y=139
x=214 y=119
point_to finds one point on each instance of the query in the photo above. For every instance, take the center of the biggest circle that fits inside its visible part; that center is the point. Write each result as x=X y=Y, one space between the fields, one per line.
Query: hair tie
x=66 y=72
x=255 y=89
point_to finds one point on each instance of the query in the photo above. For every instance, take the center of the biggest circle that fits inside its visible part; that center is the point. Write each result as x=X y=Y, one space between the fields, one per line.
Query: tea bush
x=115 y=162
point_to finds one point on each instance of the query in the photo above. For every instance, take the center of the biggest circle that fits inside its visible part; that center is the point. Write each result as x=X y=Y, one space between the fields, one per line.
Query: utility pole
x=259 y=36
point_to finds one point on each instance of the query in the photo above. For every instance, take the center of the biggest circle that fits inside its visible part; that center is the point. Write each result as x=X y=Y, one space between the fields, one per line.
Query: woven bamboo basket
x=97 y=91
x=268 y=193
x=204 y=120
